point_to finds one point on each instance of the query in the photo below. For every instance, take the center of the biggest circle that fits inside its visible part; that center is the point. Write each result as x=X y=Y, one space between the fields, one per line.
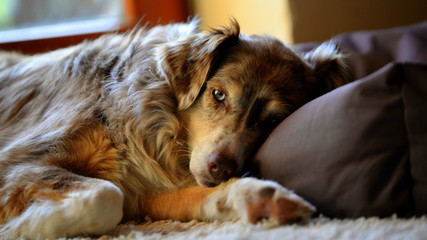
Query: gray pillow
x=360 y=150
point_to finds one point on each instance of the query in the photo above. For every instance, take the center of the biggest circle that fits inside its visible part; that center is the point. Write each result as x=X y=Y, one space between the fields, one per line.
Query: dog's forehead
x=268 y=46
x=266 y=59
x=264 y=67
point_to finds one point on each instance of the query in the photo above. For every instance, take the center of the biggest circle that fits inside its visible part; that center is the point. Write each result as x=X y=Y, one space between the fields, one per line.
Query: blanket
x=318 y=228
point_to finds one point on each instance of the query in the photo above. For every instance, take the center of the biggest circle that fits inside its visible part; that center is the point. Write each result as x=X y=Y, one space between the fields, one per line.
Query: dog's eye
x=219 y=95
x=275 y=121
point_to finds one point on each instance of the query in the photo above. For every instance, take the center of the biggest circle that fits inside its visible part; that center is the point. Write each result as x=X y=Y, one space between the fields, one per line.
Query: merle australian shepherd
x=156 y=123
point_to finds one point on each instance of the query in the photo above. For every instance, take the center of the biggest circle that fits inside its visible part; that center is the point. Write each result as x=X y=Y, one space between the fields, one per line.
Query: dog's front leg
x=183 y=204
x=248 y=199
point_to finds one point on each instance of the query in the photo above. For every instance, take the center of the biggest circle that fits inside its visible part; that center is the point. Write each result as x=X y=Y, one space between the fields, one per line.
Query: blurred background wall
x=293 y=21
x=319 y=20
x=254 y=16
x=296 y=21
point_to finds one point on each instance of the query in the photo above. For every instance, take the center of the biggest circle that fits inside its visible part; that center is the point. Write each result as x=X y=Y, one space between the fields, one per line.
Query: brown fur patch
x=183 y=204
x=88 y=152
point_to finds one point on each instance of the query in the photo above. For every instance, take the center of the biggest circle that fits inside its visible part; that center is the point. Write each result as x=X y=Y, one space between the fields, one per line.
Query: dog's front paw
x=254 y=200
x=257 y=200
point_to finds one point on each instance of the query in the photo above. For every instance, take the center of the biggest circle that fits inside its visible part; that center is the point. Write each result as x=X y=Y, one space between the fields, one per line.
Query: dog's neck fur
x=141 y=130
x=109 y=73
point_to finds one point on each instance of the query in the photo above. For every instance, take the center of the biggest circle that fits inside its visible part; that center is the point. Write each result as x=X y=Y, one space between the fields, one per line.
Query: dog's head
x=232 y=90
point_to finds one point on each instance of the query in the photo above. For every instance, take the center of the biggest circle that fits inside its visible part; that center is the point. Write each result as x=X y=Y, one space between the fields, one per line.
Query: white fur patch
x=91 y=211
x=326 y=51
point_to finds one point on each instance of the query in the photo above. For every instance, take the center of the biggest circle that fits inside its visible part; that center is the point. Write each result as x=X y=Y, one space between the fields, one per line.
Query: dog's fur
x=149 y=123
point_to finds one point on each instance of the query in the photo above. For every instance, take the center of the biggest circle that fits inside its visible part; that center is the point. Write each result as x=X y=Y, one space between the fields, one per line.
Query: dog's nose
x=221 y=166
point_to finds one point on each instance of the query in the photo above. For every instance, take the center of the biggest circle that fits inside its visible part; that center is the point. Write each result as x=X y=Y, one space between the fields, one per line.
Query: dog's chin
x=208 y=184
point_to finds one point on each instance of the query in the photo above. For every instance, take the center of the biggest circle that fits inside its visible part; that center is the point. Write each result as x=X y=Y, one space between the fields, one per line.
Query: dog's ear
x=329 y=69
x=189 y=62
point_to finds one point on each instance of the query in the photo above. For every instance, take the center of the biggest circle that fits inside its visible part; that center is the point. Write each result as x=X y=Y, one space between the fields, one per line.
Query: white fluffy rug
x=319 y=228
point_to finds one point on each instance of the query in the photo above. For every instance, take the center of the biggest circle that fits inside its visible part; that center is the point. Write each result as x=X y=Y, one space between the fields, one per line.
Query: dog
x=156 y=122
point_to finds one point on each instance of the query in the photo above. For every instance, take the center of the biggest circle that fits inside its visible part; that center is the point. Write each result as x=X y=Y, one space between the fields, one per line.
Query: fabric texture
x=319 y=228
x=361 y=150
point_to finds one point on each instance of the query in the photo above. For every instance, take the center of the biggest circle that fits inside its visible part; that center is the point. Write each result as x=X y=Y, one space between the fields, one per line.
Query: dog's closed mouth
x=206 y=181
